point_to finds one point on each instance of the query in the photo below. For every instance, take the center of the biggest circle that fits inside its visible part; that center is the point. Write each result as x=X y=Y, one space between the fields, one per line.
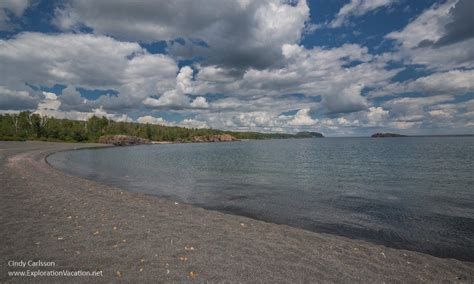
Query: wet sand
x=79 y=224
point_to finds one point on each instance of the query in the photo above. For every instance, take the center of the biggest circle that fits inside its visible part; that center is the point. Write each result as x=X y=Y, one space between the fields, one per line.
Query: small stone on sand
x=192 y=274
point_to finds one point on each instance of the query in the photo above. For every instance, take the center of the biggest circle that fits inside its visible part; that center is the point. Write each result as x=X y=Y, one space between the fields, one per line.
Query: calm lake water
x=410 y=193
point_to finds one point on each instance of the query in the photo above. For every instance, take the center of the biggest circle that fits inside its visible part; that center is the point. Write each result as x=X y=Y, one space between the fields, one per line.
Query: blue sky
x=340 y=67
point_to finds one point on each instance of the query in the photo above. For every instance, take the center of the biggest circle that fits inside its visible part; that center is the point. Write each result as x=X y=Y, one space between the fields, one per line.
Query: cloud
x=10 y=9
x=349 y=99
x=192 y=123
x=410 y=112
x=415 y=103
x=302 y=118
x=170 y=99
x=86 y=61
x=439 y=114
x=71 y=99
x=100 y=112
x=357 y=8
x=50 y=102
x=200 y=102
x=428 y=26
x=188 y=123
x=376 y=116
x=406 y=114
x=215 y=74
x=462 y=25
x=325 y=80
x=236 y=34
x=440 y=38
x=266 y=121
x=151 y=120
x=455 y=82
x=320 y=72
x=369 y=118
x=17 y=100
x=177 y=98
x=51 y=107
x=454 y=115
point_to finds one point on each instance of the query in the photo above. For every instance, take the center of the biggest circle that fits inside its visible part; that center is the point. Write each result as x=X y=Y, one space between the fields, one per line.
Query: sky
x=339 y=67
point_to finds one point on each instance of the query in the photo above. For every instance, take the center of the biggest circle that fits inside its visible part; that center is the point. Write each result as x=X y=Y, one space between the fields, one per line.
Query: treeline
x=31 y=126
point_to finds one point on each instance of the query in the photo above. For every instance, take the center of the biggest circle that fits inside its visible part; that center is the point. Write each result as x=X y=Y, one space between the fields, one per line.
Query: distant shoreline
x=190 y=142
x=408 y=136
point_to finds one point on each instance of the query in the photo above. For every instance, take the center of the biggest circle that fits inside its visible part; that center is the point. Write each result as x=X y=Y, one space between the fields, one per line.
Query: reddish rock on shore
x=123 y=140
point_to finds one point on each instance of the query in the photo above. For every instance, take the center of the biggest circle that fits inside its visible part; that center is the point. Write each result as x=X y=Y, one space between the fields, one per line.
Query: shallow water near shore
x=414 y=193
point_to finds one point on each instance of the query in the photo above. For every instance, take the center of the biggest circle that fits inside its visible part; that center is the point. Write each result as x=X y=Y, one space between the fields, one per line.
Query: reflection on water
x=411 y=193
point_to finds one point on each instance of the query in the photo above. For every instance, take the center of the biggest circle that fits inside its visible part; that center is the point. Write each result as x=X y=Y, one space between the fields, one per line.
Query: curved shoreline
x=83 y=225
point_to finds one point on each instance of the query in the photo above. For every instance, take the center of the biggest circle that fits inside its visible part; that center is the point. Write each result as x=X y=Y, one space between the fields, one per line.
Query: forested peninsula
x=32 y=126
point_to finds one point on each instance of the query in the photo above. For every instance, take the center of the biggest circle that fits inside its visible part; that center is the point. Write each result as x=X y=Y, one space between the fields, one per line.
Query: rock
x=214 y=138
x=123 y=140
x=188 y=248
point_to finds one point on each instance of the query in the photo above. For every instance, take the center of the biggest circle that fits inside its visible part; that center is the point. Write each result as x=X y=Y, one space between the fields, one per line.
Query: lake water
x=414 y=193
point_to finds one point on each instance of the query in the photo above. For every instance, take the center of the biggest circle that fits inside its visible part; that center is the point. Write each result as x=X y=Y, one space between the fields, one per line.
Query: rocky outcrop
x=384 y=135
x=214 y=138
x=123 y=140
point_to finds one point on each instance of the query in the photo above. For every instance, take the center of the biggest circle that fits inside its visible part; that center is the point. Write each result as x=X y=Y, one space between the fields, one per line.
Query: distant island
x=385 y=135
x=307 y=134
x=31 y=126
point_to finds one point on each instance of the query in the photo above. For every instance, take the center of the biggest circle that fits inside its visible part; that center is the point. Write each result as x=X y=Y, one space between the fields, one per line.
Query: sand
x=79 y=224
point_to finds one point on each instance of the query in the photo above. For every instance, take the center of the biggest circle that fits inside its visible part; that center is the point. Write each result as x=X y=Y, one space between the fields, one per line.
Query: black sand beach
x=83 y=225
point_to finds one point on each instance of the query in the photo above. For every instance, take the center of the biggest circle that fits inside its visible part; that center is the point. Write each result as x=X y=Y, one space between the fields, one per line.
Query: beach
x=78 y=224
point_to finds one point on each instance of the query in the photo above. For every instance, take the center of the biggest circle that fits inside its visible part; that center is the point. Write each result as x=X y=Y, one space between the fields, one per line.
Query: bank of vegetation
x=31 y=126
